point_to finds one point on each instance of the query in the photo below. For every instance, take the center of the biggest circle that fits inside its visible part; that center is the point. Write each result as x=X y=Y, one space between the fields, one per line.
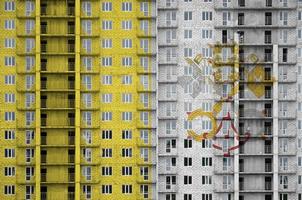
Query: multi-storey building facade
x=79 y=98
x=96 y=97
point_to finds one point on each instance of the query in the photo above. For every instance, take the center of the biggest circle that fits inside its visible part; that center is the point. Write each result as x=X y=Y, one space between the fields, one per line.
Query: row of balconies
x=257 y=5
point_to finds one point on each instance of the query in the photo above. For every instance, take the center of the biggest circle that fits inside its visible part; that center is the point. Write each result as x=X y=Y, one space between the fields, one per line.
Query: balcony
x=43 y=47
x=71 y=103
x=268 y=39
x=268 y=130
x=71 y=85
x=43 y=103
x=71 y=66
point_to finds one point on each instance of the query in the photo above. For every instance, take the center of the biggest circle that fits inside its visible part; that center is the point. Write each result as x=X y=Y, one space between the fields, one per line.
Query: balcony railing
x=268 y=112
x=43 y=159
x=70 y=158
x=71 y=29
x=71 y=196
x=43 y=140
x=43 y=29
x=71 y=66
x=71 y=121
x=43 y=177
x=43 y=84
x=268 y=130
x=71 y=48
x=43 y=48
x=71 y=103
x=71 y=85
x=241 y=186
x=267 y=76
x=268 y=148
x=43 y=195
x=268 y=167
x=268 y=94
x=43 y=66
x=71 y=177
x=43 y=103
x=43 y=121
x=267 y=57
x=268 y=185
x=70 y=11
x=71 y=140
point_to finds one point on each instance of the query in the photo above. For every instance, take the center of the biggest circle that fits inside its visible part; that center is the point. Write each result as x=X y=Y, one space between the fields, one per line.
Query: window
x=29 y=26
x=9 y=24
x=127 y=43
x=107 y=43
x=206 y=161
x=9 y=134
x=9 y=189
x=107 y=80
x=188 y=197
x=87 y=82
x=9 y=43
x=107 y=134
x=284 y=17
x=106 y=171
x=87 y=26
x=106 y=189
x=9 y=171
x=188 y=34
x=126 y=116
x=126 y=134
x=9 y=98
x=126 y=189
x=127 y=61
x=126 y=79
x=9 y=153
x=188 y=52
x=107 y=98
x=9 y=6
x=9 y=116
x=188 y=15
x=86 y=6
x=126 y=171
x=206 y=196
x=206 y=16
x=87 y=45
x=87 y=118
x=126 y=24
x=187 y=161
x=87 y=63
x=29 y=118
x=240 y=18
x=206 y=180
x=126 y=97
x=87 y=172
x=29 y=63
x=241 y=3
x=107 y=6
x=106 y=25
x=106 y=61
x=106 y=153
x=126 y=6
x=206 y=34
x=144 y=117
x=188 y=143
x=106 y=116
x=9 y=61
x=187 y=180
